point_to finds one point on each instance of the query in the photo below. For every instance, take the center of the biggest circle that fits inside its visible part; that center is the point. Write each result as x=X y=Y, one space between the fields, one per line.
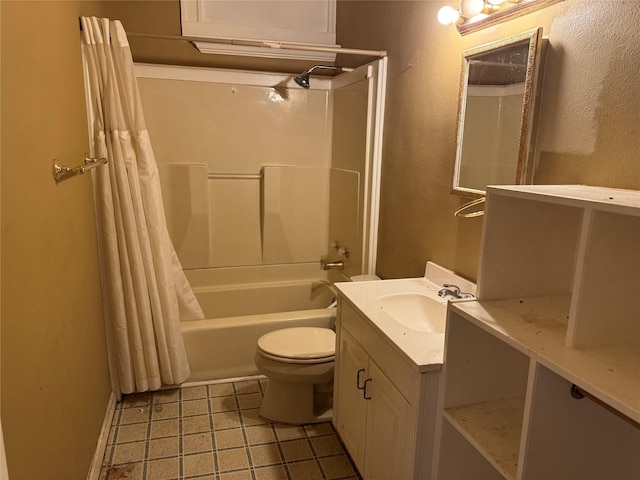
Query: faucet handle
x=455 y=288
x=454 y=291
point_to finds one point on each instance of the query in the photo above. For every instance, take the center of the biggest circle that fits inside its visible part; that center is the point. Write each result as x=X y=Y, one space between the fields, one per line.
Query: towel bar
x=62 y=172
x=460 y=212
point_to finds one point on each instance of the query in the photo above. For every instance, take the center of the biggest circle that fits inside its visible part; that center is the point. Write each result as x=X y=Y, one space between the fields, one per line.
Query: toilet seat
x=299 y=345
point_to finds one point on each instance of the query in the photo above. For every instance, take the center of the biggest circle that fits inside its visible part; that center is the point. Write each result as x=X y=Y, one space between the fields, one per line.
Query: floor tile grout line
x=244 y=432
x=214 y=450
x=274 y=430
x=346 y=455
x=180 y=435
x=145 y=459
x=315 y=455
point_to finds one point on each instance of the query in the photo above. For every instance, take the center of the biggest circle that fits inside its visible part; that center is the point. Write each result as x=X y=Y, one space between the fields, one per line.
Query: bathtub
x=240 y=305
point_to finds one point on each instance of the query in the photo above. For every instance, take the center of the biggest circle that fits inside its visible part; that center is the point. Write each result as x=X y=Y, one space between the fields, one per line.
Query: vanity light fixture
x=472 y=15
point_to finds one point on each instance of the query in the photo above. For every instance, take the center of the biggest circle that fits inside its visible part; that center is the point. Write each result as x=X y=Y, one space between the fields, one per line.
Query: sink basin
x=415 y=311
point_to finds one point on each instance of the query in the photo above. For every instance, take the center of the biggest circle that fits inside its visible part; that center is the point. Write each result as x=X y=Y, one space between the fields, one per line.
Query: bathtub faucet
x=339 y=265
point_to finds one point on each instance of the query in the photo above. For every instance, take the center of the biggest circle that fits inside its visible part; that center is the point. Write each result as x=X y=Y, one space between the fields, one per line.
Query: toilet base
x=297 y=403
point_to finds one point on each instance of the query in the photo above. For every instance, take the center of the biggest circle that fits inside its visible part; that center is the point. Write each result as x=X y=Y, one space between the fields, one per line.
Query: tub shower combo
x=251 y=218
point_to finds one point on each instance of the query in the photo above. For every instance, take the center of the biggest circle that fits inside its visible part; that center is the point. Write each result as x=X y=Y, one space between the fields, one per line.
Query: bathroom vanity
x=390 y=338
x=541 y=376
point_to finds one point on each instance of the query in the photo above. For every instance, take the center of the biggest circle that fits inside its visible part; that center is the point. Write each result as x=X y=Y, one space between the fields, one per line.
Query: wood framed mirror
x=496 y=113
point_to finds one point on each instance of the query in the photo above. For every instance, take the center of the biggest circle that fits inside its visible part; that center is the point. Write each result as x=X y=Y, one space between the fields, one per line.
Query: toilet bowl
x=299 y=365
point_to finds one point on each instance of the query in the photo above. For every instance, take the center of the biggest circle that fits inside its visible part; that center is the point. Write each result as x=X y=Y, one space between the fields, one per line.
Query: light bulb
x=470 y=8
x=448 y=14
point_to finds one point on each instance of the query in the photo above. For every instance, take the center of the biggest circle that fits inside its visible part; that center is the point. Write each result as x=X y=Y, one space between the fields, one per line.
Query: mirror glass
x=496 y=113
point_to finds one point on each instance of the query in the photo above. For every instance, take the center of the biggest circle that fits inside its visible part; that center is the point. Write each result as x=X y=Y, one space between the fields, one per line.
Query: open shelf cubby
x=558 y=308
x=484 y=392
x=553 y=239
x=467 y=463
x=577 y=438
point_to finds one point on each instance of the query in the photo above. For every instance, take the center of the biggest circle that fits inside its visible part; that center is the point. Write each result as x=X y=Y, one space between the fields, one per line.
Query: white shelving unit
x=558 y=305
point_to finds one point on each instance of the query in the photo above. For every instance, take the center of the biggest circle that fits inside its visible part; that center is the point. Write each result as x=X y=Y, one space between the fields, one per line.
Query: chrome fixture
x=453 y=291
x=303 y=78
x=342 y=251
x=334 y=245
x=339 y=265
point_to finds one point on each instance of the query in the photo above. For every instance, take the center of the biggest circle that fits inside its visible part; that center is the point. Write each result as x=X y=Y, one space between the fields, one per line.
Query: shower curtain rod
x=261 y=43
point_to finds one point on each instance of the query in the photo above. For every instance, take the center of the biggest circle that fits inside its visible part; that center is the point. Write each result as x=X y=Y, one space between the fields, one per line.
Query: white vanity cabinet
x=384 y=407
x=558 y=312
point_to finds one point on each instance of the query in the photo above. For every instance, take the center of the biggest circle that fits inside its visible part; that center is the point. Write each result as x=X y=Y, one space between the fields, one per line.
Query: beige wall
x=55 y=384
x=589 y=118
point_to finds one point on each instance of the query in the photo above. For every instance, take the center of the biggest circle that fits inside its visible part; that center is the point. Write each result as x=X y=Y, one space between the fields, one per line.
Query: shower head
x=303 y=78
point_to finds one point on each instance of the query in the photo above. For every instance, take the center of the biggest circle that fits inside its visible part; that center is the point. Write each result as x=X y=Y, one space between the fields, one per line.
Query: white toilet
x=299 y=364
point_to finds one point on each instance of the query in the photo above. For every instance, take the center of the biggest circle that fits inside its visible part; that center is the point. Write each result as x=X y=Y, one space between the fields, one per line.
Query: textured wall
x=589 y=130
x=55 y=383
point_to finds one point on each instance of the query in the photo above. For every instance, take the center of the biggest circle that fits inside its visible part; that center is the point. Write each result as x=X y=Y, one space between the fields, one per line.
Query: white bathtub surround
x=346 y=209
x=185 y=195
x=295 y=219
x=269 y=135
x=225 y=347
x=243 y=303
x=145 y=290
x=262 y=298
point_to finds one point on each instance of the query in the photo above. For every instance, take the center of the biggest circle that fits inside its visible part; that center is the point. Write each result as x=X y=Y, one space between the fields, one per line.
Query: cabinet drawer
x=395 y=367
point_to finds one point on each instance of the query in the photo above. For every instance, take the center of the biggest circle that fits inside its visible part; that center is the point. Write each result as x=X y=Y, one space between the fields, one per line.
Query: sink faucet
x=453 y=291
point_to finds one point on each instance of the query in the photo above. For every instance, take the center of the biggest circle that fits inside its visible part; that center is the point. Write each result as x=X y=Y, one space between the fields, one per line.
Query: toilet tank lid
x=299 y=342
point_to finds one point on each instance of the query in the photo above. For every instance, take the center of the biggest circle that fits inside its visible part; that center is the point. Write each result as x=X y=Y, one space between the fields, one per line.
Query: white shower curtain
x=145 y=290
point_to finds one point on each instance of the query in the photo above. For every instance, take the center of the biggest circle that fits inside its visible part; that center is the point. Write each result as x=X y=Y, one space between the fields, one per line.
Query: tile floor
x=215 y=432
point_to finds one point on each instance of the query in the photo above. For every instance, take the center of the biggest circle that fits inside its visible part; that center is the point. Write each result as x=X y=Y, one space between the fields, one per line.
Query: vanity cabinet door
x=387 y=441
x=350 y=404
